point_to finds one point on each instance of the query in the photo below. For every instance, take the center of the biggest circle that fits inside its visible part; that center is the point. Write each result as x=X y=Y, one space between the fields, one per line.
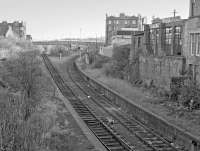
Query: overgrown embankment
x=22 y=127
x=32 y=117
x=115 y=74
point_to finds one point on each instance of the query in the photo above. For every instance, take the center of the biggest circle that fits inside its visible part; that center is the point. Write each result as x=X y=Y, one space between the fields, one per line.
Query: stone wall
x=160 y=69
x=119 y=40
x=192 y=26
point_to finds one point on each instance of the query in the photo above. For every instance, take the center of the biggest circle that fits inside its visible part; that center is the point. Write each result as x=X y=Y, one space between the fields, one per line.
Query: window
x=139 y=42
x=109 y=22
x=117 y=21
x=133 y=21
x=198 y=47
x=126 y=22
x=154 y=36
x=195 y=44
x=177 y=40
x=168 y=40
x=109 y=28
x=192 y=7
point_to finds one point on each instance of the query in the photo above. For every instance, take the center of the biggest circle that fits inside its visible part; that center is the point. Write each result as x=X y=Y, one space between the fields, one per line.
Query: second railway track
x=74 y=84
x=109 y=138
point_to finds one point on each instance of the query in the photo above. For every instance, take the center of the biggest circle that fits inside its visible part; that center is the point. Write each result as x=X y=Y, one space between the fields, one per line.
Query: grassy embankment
x=169 y=110
x=32 y=117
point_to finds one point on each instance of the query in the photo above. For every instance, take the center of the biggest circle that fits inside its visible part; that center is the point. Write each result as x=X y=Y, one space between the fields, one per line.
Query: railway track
x=71 y=88
x=151 y=139
x=108 y=137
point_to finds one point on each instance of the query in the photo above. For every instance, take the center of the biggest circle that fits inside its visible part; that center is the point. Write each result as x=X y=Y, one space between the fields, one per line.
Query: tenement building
x=122 y=23
x=14 y=30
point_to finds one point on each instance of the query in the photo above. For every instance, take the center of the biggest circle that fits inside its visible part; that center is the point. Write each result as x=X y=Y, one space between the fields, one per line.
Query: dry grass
x=65 y=134
x=190 y=121
x=107 y=51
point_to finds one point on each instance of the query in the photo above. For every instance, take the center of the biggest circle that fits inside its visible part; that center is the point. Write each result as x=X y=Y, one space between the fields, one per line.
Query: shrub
x=55 y=51
x=21 y=129
x=121 y=55
x=111 y=69
x=99 y=61
x=188 y=92
x=117 y=67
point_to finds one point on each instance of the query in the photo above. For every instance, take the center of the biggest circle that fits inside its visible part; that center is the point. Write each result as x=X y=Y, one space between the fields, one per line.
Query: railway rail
x=109 y=138
x=99 y=126
x=151 y=139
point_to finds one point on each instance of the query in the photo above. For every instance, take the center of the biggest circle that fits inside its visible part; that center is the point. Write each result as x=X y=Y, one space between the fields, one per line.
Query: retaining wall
x=161 y=69
x=165 y=129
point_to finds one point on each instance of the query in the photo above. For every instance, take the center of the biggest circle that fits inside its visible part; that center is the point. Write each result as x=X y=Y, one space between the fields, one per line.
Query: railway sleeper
x=105 y=133
x=116 y=148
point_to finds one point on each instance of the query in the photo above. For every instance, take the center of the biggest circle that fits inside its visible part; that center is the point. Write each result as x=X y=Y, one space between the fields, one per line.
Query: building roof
x=138 y=33
x=122 y=16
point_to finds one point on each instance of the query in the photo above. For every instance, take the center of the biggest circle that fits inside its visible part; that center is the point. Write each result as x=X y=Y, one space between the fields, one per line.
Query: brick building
x=191 y=47
x=168 y=50
x=165 y=39
x=121 y=22
x=15 y=30
x=157 y=53
x=168 y=47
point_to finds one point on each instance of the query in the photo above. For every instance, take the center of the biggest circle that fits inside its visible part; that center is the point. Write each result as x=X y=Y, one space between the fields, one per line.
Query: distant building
x=165 y=37
x=122 y=22
x=166 y=20
x=14 y=30
x=157 y=53
x=28 y=37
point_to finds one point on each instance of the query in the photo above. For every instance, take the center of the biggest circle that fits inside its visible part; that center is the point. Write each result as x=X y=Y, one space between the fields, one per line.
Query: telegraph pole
x=96 y=42
x=174 y=12
x=80 y=41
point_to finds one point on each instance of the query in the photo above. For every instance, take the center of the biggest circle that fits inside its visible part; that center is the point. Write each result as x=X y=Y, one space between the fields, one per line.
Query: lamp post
x=60 y=53
x=80 y=42
x=96 y=42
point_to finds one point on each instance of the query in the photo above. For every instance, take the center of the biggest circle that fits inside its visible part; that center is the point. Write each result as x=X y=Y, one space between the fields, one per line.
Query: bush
x=55 y=51
x=99 y=61
x=189 y=92
x=111 y=69
x=121 y=55
x=17 y=134
x=21 y=129
x=117 y=67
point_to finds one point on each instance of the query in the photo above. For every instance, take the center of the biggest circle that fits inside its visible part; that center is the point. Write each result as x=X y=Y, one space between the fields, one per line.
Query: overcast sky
x=51 y=19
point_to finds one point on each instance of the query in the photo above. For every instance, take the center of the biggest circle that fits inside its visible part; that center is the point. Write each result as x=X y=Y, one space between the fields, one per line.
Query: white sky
x=51 y=19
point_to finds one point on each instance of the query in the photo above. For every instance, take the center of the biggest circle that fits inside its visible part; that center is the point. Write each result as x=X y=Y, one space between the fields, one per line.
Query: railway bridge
x=69 y=42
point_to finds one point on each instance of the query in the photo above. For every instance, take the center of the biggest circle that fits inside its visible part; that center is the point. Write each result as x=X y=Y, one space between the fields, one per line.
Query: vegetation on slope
x=29 y=120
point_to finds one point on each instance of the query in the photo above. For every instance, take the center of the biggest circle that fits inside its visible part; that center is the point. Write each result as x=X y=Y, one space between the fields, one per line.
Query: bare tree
x=23 y=74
